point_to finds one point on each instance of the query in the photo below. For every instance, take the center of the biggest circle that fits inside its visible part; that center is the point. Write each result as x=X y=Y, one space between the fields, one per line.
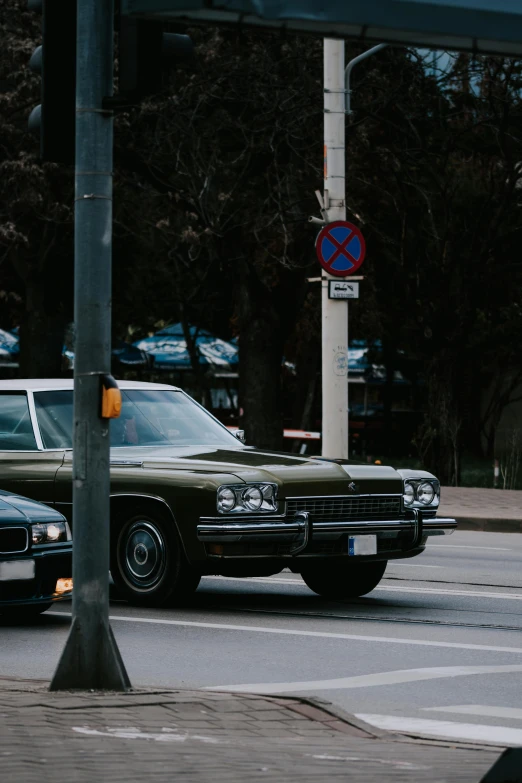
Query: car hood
x=15 y=509
x=295 y=475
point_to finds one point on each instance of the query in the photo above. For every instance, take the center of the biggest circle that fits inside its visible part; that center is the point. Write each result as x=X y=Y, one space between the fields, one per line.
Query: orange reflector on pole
x=111 y=398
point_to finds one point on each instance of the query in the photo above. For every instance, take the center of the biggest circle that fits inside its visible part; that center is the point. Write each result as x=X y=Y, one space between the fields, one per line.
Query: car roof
x=44 y=384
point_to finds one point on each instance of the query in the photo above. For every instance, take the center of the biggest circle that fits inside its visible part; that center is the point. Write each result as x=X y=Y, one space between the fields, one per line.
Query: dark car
x=189 y=499
x=35 y=556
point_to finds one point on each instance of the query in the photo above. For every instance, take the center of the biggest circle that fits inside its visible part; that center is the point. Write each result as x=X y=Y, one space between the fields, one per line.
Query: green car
x=35 y=557
x=189 y=498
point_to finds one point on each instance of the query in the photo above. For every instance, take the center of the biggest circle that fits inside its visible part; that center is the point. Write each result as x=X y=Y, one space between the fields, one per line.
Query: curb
x=346 y=717
x=489 y=525
x=382 y=734
x=313 y=708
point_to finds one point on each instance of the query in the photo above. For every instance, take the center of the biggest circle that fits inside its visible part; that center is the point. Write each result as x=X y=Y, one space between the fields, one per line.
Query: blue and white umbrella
x=123 y=352
x=129 y=354
x=9 y=349
x=168 y=349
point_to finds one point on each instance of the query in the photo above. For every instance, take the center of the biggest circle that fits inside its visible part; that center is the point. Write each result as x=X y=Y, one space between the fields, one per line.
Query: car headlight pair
x=250 y=498
x=420 y=492
x=51 y=533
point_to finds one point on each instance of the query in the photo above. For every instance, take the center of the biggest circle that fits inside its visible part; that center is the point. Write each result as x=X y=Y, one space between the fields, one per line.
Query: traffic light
x=145 y=53
x=55 y=60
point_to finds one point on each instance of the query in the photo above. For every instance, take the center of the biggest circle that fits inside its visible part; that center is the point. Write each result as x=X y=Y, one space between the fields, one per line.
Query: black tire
x=148 y=565
x=344 y=580
x=22 y=613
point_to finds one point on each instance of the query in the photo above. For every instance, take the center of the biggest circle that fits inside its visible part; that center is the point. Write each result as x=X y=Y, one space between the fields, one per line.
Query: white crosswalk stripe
x=480 y=710
x=376 y=679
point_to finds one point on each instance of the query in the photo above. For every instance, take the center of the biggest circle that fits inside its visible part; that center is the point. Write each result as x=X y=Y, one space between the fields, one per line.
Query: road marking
x=370 y=760
x=482 y=710
x=442 y=591
x=413 y=565
x=366 y=680
x=467 y=546
x=488 y=735
x=164 y=735
x=386 y=589
x=311 y=634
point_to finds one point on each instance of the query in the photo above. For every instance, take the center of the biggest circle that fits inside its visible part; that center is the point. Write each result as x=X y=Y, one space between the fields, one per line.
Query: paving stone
x=97 y=738
x=271 y=715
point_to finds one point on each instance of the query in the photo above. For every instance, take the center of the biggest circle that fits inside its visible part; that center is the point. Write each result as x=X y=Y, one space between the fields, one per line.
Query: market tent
x=169 y=351
x=129 y=355
x=9 y=349
x=364 y=369
x=125 y=353
x=358 y=357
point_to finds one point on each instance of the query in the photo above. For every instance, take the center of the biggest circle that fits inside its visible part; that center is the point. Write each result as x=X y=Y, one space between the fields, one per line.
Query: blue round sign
x=340 y=248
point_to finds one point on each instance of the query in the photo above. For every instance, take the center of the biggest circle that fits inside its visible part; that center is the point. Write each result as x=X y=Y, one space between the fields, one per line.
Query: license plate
x=362 y=545
x=16 y=569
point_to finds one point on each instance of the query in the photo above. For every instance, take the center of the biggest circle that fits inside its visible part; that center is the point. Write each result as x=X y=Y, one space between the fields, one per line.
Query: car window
x=16 y=429
x=54 y=411
x=165 y=418
x=148 y=418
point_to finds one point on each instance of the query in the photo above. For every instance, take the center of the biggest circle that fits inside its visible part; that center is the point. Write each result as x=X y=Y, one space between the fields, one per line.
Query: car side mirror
x=240 y=435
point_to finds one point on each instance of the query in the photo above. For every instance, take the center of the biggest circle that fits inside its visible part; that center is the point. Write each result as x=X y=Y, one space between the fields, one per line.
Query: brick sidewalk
x=150 y=736
x=474 y=508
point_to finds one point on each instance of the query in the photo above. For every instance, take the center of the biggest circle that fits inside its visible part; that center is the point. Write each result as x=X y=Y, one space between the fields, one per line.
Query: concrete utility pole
x=91 y=659
x=334 y=313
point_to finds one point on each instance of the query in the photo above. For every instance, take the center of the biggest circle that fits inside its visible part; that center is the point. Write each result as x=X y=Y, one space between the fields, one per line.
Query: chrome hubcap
x=143 y=554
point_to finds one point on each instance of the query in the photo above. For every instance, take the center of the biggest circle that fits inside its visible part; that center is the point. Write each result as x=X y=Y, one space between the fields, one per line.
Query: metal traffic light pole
x=91 y=659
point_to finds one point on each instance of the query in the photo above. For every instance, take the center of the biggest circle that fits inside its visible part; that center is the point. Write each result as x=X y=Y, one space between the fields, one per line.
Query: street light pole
x=337 y=104
x=334 y=314
x=91 y=659
x=348 y=73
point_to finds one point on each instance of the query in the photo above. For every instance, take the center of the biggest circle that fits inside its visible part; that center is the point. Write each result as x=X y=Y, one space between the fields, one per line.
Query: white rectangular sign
x=342 y=289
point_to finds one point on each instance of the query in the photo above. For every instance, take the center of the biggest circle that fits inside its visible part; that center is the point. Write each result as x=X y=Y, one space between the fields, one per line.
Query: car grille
x=345 y=509
x=13 y=539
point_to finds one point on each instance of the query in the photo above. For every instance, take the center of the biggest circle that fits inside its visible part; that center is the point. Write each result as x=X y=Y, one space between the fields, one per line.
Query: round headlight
x=39 y=534
x=226 y=499
x=425 y=493
x=54 y=532
x=252 y=498
x=409 y=494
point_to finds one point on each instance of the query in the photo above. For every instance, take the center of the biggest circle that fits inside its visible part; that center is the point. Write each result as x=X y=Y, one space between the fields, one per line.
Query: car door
x=25 y=467
x=63 y=487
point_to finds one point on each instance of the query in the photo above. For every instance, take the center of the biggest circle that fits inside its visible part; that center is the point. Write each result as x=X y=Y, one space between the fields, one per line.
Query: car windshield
x=148 y=418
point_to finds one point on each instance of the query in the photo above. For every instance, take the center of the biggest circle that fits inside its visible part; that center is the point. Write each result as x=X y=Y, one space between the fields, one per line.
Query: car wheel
x=148 y=565
x=344 y=580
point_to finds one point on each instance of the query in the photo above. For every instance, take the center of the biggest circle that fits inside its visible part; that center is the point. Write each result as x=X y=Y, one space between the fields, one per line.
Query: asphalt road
x=437 y=648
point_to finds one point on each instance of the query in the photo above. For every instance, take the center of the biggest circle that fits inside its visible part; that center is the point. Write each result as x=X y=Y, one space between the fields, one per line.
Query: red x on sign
x=340 y=248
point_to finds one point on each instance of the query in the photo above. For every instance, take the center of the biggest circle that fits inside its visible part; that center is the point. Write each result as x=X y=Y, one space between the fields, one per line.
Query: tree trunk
x=439 y=437
x=308 y=363
x=192 y=348
x=389 y=358
x=41 y=333
x=260 y=357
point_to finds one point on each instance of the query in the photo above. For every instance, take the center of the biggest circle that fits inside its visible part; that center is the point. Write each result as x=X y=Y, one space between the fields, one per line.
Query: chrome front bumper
x=301 y=530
